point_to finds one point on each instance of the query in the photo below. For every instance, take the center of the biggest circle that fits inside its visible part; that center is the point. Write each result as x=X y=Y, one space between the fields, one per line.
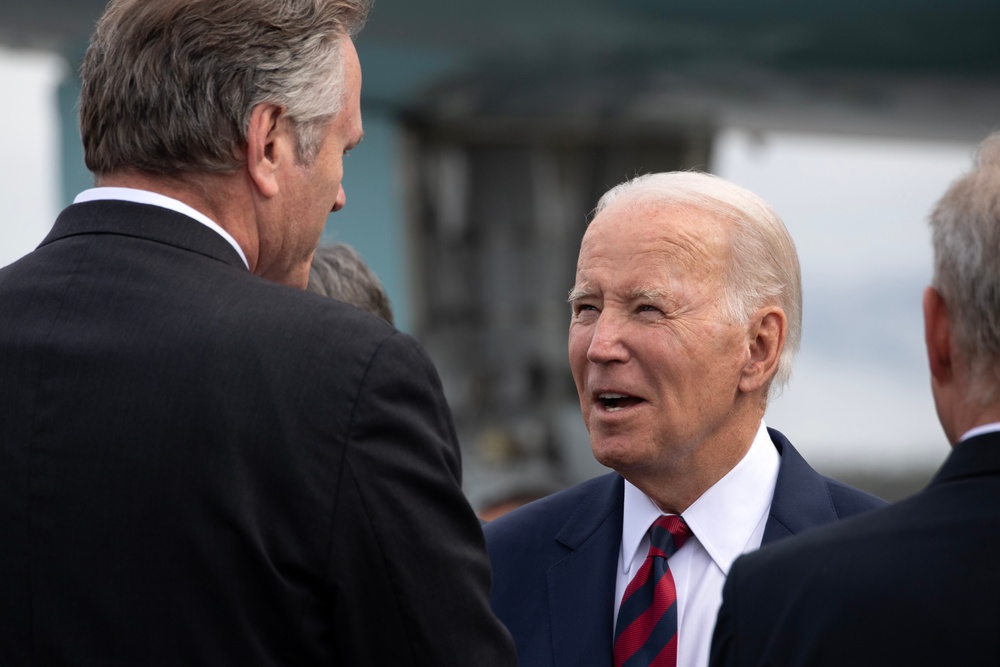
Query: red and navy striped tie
x=646 y=632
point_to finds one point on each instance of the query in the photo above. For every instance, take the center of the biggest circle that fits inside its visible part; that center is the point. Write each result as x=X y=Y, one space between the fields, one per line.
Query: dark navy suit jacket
x=554 y=560
x=916 y=583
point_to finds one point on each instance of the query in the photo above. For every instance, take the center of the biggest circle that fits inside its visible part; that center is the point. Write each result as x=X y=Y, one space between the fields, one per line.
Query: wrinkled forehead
x=641 y=230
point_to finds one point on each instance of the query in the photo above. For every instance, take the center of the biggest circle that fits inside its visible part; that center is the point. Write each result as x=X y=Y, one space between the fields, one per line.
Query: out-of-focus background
x=493 y=127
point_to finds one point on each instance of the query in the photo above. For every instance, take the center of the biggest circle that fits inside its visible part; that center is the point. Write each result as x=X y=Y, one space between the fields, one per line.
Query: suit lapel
x=582 y=585
x=801 y=496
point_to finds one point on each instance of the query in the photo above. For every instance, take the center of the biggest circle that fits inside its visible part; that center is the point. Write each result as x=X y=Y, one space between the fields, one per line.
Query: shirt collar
x=980 y=430
x=156 y=199
x=726 y=517
x=639 y=514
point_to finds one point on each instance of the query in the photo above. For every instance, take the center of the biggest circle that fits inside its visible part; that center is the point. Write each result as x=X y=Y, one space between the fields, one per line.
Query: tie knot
x=667 y=535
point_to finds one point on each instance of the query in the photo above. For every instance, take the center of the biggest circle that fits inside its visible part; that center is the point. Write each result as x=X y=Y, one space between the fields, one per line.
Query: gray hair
x=168 y=86
x=965 y=227
x=337 y=271
x=765 y=265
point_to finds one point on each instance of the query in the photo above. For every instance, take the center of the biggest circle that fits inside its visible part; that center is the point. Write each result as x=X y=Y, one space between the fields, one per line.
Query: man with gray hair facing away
x=685 y=313
x=201 y=463
x=917 y=583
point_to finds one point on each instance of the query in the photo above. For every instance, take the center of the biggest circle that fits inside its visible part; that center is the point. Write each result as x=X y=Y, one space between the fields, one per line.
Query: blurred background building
x=492 y=129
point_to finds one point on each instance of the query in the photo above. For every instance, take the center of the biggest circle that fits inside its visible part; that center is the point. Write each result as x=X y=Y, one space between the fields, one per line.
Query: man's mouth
x=613 y=402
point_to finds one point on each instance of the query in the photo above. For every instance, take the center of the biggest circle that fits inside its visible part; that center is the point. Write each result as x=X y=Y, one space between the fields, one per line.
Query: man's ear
x=937 y=336
x=767 y=331
x=266 y=136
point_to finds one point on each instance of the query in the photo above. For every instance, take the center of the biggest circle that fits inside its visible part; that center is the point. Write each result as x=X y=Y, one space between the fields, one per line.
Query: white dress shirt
x=156 y=199
x=727 y=520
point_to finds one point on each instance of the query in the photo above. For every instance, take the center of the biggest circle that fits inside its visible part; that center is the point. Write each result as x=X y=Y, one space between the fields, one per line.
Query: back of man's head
x=168 y=85
x=337 y=271
x=765 y=266
x=966 y=237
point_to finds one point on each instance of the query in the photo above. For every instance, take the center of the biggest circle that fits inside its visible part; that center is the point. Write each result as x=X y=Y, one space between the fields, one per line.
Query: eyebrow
x=647 y=293
x=637 y=294
x=578 y=293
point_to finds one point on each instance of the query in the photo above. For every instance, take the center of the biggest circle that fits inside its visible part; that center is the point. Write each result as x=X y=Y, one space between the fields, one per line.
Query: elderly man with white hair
x=686 y=313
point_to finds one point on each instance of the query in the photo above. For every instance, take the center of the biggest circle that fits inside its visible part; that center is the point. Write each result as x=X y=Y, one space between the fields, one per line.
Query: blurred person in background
x=916 y=583
x=337 y=271
x=685 y=316
x=199 y=464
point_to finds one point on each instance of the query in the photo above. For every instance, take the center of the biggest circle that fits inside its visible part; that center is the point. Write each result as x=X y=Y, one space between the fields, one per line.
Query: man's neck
x=964 y=402
x=979 y=418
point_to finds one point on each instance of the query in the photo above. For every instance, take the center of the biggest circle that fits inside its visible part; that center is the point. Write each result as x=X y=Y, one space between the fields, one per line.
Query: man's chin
x=619 y=457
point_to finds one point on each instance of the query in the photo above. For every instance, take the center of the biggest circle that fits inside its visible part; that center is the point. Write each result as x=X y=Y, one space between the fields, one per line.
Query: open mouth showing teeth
x=615 y=402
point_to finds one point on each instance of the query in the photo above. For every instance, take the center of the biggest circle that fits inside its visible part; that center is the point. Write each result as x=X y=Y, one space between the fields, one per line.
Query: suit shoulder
x=291 y=300
x=540 y=519
x=807 y=498
x=304 y=316
x=839 y=541
x=848 y=501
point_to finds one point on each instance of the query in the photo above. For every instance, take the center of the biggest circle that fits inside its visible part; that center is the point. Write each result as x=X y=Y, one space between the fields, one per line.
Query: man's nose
x=609 y=340
x=341 y=200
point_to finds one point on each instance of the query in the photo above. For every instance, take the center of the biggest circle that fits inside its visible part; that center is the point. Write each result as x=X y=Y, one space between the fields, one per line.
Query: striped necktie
x=646 y=633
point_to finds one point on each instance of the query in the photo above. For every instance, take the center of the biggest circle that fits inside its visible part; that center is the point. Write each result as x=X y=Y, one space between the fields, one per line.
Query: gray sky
x=856 y=208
